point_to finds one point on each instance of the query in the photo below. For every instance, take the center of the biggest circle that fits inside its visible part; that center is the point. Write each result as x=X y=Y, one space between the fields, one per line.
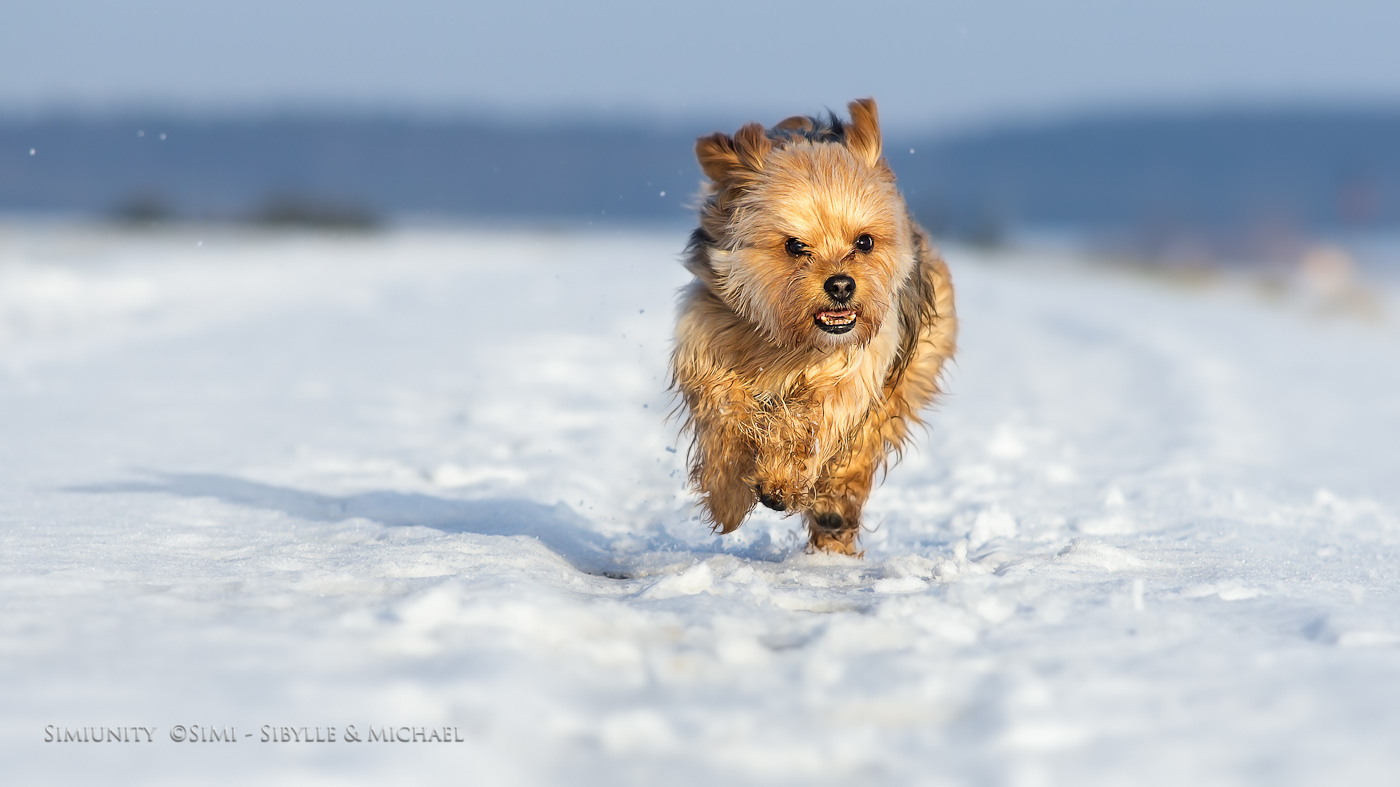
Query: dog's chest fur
x=836 y=392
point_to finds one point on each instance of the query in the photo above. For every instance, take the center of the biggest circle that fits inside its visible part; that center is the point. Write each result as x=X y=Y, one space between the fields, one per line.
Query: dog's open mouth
x=836 y=321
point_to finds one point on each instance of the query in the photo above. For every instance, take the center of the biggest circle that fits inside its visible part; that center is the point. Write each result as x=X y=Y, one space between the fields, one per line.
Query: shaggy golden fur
x=815 y=329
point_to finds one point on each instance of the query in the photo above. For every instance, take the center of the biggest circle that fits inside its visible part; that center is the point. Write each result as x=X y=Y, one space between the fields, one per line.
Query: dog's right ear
x=716 y=156
x=724 y=159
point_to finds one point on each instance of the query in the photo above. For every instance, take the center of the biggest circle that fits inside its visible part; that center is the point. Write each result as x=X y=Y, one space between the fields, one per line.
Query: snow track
x=426 y=480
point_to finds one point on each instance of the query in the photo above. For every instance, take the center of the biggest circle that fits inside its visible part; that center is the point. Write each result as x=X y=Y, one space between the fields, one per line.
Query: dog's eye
x=796 y=247
x=865 y=243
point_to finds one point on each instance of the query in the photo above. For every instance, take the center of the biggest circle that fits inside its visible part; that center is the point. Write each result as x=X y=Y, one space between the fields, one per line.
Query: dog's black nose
x=841 y=287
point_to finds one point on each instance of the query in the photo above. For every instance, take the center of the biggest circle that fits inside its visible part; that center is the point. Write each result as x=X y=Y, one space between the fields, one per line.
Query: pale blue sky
x=937 y=64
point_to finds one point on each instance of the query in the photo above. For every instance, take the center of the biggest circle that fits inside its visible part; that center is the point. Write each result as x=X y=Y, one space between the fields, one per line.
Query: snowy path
x=419 y=480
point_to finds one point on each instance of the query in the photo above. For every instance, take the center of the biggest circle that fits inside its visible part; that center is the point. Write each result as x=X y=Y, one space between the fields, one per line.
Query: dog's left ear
x=863 y=134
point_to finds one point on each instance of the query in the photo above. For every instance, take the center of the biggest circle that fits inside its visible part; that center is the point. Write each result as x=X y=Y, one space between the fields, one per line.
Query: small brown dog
x=815 y=329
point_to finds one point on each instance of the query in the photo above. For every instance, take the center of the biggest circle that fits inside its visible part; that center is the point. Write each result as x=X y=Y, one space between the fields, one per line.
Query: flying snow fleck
x=33 y=151
x=663 y=193
x=140 y=133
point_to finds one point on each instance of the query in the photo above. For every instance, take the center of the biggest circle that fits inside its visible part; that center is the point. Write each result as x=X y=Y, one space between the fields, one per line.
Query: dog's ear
x=863 y=134
x=716 y=156
x=795 y=123
x=724 y=159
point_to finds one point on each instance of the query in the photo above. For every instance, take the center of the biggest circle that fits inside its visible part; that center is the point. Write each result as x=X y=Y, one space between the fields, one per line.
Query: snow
x=425 y=479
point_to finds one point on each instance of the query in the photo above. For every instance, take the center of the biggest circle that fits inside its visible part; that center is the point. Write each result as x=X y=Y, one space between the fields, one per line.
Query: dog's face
x=811 y=236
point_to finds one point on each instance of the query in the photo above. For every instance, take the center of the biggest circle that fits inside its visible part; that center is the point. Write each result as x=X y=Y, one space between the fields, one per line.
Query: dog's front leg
x=723 y=416
x=786 y=454
x=833 y=522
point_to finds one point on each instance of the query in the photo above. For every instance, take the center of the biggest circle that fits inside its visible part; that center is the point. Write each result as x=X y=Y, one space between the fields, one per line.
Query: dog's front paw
x=831 y=532
x=772 y=501
x=781 y=496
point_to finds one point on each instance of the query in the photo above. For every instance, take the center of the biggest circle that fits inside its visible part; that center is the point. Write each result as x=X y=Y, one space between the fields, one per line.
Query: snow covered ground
x=425 y=480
